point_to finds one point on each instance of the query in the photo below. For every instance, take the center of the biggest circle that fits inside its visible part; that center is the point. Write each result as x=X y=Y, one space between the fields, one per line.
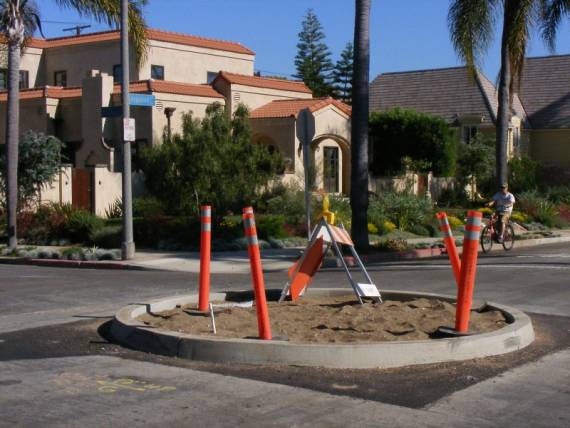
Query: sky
x=405 y=34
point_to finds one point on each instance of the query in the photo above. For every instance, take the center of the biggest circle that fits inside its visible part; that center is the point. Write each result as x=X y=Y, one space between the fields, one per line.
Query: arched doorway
x=331 y=159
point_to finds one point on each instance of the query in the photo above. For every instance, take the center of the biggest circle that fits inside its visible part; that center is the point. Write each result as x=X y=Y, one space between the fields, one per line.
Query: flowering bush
x=454 y=222
x=372 y=229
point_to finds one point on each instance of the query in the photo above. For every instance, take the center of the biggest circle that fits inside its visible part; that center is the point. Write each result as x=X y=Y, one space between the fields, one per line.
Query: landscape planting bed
x=328 y=319
x=498 y=335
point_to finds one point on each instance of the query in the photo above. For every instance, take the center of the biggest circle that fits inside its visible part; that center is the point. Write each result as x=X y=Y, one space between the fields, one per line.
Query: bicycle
x=489 y=235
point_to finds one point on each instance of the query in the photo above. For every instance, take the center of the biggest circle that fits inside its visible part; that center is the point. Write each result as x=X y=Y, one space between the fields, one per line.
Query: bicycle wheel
x=486 y=239
x=509 y=237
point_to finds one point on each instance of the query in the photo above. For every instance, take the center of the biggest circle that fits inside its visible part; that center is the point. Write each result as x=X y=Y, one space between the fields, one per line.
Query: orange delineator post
x=256 y=274
x=205 y=250
x=449 y=242
x=468 y=270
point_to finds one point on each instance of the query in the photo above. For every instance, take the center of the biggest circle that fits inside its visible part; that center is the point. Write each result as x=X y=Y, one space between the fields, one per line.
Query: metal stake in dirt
x=450 y=246
x=128 y=245
x=205 y=250
x=468 y=270
x=256 y=274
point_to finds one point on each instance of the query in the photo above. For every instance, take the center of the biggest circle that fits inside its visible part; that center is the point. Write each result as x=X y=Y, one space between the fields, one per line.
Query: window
x=117 y=73
x=211 y=76
x=24 y=79
x=3 y=79
x=60 y=78
x=330 y=169
x=157 y=72
x=469 y=133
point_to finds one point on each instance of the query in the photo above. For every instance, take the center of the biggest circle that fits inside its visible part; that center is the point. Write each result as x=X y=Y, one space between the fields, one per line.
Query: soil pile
x=328 y=319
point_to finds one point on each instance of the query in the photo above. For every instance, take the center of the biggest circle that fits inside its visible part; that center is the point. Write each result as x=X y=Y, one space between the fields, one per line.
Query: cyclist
x=503 y=201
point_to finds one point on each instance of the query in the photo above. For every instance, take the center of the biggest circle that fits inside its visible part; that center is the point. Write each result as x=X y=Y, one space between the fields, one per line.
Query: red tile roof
x=164 y=36
x=45 y=92
x=292 y=108
x=138 y=86
x=169 y=87
x=264 y=82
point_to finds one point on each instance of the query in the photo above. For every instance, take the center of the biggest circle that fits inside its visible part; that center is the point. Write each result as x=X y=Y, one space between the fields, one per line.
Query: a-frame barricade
x=324 y=237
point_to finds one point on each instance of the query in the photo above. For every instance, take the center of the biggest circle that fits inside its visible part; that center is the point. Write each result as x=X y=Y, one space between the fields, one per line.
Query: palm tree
x=471 y=25
x=551 y=14
x=19 y=19
x=359 y=133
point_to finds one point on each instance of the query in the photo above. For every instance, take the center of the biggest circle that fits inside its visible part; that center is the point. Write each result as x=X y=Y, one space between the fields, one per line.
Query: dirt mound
x=328 y=319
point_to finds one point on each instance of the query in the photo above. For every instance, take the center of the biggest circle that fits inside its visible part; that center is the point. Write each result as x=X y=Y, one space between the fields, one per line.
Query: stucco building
x=540 y=117
x=69 y=86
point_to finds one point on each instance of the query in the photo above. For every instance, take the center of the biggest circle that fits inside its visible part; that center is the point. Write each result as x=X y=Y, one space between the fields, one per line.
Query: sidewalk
x=273 y=260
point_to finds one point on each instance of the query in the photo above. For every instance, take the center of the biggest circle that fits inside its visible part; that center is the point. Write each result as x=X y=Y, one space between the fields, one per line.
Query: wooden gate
x=422 y=184
x=82 y=189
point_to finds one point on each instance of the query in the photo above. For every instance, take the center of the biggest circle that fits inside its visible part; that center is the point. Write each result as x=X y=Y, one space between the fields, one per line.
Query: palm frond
x=19 y=19
x=109 y=12
x=520 y=16
x=471 y=24
x=551 y=14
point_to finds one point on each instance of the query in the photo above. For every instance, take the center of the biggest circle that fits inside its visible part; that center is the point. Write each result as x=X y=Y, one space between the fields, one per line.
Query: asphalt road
x=58 y=366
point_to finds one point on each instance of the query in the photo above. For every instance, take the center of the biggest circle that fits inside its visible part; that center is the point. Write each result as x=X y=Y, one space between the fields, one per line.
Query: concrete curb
x=435 y=252
x=130 y=332
x=81 y=264
x=329 y=262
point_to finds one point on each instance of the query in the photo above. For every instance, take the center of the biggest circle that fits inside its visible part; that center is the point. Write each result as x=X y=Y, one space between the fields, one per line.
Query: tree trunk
x=503 y=110
x=12 y=140
x=359 y=137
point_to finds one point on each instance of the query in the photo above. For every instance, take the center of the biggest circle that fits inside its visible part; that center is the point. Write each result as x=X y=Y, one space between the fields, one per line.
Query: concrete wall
x=68 y=119
x=97 y=92
x=106 y=188
x=279 y=132
x=59 y=191
x=33 y=61
x=551 y=146
x=79 y=60
x=183 y=104
x=33 y=116
x=191 y=64
x=254 y=97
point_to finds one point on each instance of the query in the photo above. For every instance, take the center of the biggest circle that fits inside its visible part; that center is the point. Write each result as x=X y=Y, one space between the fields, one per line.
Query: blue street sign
x=113 y=111
x=142 y=100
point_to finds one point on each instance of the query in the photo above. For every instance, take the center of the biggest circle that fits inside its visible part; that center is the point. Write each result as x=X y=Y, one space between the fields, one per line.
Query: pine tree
x=342 y=75
x=313 y=59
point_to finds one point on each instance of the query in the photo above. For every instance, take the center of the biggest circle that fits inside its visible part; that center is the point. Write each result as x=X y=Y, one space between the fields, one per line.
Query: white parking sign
x=129 y=130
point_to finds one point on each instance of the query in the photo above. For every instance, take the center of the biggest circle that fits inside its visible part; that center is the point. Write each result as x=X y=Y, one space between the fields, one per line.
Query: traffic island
x=327 y=328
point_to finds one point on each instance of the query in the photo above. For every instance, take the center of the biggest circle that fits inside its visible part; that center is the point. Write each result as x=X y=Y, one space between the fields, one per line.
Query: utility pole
x=77 y=29
x=128 y=245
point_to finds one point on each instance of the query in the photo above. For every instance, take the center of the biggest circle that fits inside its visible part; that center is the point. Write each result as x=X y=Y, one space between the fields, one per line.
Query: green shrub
x=147 y=207
x=398 y=245
x=546 y=213
x=522 y=174
x=419 y=229
x=340 y=206
x=81 y=225
x=428 y=141
x=107 y=237
x=271 y=226
x=453 y=197
x=402 y=209
x=559 y=194
x=115 y=210
x=212 y=162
